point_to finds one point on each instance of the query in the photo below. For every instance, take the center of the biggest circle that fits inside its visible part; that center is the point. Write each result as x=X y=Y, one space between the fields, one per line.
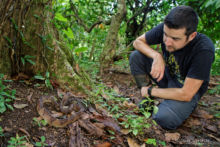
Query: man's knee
x=167 y=119
x=134 y=56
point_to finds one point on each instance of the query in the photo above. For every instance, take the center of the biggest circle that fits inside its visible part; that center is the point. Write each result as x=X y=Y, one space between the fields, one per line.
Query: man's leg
x=140 y=66
x=171 y=113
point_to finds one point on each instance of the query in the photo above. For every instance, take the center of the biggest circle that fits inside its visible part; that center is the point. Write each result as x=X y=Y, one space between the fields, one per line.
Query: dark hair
x=182 y=17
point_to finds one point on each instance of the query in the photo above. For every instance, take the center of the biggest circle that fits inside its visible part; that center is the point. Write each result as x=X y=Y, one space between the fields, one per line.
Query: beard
x=170 y=48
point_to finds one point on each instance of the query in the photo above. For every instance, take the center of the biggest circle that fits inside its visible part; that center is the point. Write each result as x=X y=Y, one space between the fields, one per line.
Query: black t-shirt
x=193 y=61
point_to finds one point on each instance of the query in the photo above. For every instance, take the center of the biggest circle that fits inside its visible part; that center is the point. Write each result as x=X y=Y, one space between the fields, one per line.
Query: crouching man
x=181 y=71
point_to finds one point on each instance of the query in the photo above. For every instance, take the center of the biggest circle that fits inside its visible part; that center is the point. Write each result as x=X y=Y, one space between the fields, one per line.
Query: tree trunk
x=26 y=35
x=112 y=38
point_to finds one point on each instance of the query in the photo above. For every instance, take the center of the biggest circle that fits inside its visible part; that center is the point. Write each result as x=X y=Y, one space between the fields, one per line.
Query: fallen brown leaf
x=28 y=145
x=202 y=114
x=172 y=137
x=105 y=144
x=29 y=96
x=212 y=128
x=132 y=143
x=116 y=89
x=20 y=106
x=192 y=122
x=56 y=114
x=129 y=105
x=125 y=131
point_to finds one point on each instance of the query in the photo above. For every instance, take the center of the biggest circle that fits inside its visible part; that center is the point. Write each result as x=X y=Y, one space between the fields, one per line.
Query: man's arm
x=158 y=65
x=186 y=93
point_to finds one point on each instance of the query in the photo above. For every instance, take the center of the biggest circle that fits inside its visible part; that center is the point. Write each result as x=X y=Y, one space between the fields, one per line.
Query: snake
x=59 y=122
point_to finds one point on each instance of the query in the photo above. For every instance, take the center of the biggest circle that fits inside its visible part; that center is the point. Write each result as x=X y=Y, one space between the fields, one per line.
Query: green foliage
x=20 y=33
x=216 y=65
x=151 y=141
x=136 y=124
x=17 y=141
x=6 y=96
x=27 y=58
x=46 y=79
x=39 y=122
x=42 y=142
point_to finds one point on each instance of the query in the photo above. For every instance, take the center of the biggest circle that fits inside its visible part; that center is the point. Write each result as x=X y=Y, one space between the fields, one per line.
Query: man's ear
x=192 y=36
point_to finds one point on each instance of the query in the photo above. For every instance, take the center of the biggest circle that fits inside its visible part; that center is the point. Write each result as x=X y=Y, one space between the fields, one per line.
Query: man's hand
x=144 y=91
x=158 y=67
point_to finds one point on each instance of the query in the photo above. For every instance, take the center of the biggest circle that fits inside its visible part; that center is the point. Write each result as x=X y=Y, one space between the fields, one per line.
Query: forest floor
x=202 y=128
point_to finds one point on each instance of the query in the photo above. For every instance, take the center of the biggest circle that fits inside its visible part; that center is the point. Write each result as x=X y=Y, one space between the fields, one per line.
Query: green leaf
x=69 y=33
x=39 y=77
x=38 y=144
x=151 y=141
x=135 y=132
x=22 y=60
x=29 y=57
x=155 y=109
x=162 y=143
x=2 y=108
x=50 y=48
x=30 y=61
x=217 y=115
x=43 y=139
x=58 y=16
x=47 y=74
x=147 y=114
x=10 y=107
x=126 y=126
x=81 y=49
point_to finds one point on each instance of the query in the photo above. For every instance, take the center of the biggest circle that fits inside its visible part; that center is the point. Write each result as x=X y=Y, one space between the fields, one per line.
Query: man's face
x=175 y=39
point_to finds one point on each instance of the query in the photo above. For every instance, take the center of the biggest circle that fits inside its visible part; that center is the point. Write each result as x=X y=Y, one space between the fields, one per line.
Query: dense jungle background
x=65 y=61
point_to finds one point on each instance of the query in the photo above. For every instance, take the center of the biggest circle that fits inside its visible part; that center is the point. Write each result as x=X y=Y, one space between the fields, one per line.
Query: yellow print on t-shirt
x=174 y=68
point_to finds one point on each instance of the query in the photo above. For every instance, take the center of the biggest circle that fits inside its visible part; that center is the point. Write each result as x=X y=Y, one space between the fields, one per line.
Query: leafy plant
x=151 y=141
x=39 y=122
x=215 y=66
x=17 y=141
x=27 y=58
x=136 y=124
x=42 y=142
x=46 y=79
x=6 y=96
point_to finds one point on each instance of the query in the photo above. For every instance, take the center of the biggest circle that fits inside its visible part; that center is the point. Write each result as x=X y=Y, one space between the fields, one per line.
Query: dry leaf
x=28 y=145
x=125 y=131
x=104 y=95
x=132 y=143
x=210 y=135
x=56 y=114
x=20 y=106
x=212 y=128
x=29 y=96
x=192 y=122
x=172 y=136
x=105 y=144
x=202 y=114
x=116 y=89
x=129 y=105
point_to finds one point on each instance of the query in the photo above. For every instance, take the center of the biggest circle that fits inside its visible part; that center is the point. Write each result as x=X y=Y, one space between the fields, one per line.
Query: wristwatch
x=149 y=91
